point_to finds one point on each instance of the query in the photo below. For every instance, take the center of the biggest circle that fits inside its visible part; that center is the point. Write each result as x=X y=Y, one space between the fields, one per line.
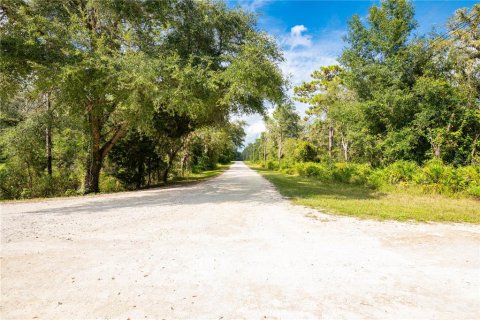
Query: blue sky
x=310 y=32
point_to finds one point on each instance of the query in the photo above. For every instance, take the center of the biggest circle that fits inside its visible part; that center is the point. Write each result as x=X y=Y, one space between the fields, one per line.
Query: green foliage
x=109 y=183
x=134 y=160
x=401 y=171
x=164 y=71
x=271 y=165
x=396 y=96
x=304 y=152
x=400 y=112
x=433 y=177
x=23 y=173
x=316 y=170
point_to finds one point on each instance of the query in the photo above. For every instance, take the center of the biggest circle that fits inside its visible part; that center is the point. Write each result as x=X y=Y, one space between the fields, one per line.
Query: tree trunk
x=167 y=170
x=185 y=154
x=97 y=153
x=265 y=151
x=474 y=148
x=171 y=156
x=94 y=162
x=92 y=176
x=330 y=140
x=437 y=151
x=183 y=162
x=280 y=150
x=48 y=136
x=30 y=178
x=165 y=174
x=345 y=148
x=149 y=168
x=140 y=174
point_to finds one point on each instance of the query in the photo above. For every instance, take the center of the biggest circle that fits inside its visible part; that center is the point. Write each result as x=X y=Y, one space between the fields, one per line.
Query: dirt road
x=228 y=248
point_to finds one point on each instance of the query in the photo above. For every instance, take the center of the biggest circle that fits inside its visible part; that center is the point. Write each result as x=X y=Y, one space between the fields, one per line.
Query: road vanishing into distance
x=228 y=248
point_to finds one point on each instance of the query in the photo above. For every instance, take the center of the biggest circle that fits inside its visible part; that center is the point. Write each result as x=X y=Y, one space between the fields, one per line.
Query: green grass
x=362 y=202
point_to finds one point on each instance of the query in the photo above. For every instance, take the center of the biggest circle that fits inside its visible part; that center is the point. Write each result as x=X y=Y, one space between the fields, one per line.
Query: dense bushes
x=304 y=151
x=432 y=177
x=15 y=184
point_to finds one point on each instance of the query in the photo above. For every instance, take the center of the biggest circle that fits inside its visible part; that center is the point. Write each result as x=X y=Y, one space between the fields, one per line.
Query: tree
x=134 y=160
x=332 y=103
x=321 y=93
x=388 y=71
x=169 y=134
x=395 y=96
x=464 y=54
x=283 y=124
x=116 y=63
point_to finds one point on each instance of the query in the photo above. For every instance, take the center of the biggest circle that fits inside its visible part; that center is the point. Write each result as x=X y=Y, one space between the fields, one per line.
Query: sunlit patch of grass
x=362 y=202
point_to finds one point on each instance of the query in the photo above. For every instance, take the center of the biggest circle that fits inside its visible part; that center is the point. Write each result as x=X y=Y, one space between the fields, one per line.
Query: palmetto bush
x=432 y=177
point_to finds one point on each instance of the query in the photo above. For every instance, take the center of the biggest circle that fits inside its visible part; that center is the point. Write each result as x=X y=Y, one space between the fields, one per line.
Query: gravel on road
x=228 y=248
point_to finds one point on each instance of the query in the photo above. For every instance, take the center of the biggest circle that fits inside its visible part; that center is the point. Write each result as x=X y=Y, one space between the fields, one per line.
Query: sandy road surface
x=228 y=248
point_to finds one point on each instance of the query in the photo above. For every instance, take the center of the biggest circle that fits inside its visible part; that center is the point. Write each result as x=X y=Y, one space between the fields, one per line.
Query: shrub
x=342 y=172
x=289 y=170
x=305 y=152
x=434 y=171
x=360 y=174
x=437 y=177
x=272 y=165
x=433 y=177
x=71 y=192
x=474 y=191
x=12 y=183
x=300 y=168
x=314 y=170
x=351 y=173
x=109 y=183
x=468 y=177
x=401 y=171
x=287 y=163
x=376 y=179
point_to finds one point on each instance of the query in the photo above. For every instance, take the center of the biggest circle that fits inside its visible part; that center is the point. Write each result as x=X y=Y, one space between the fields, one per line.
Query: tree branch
x=115 y=137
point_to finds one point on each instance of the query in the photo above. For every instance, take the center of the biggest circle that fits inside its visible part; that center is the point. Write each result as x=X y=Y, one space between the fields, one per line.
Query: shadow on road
x=238 y=184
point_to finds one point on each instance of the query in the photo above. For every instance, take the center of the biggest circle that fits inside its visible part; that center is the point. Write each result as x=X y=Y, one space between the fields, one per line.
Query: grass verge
x=362 y=202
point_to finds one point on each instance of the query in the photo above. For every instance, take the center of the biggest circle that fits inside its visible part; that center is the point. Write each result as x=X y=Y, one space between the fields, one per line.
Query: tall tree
x=283 y=124
x=322 y=94
x=118 y=62
x=464 y=53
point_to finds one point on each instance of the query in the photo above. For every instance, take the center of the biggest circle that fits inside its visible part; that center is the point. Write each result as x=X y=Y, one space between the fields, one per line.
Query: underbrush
x=15 y=185
x=433 y=177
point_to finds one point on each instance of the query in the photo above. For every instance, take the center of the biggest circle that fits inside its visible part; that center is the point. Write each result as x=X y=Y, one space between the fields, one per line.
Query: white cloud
x=255 y=126
x=304 y=53
x=300 y=62
x=296 y=37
